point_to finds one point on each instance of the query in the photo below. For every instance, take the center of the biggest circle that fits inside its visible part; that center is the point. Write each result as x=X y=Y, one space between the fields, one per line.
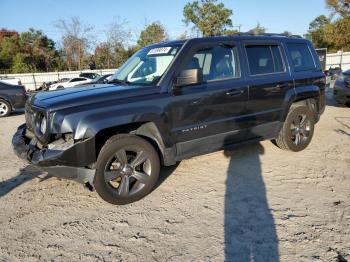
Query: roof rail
x=266 y=34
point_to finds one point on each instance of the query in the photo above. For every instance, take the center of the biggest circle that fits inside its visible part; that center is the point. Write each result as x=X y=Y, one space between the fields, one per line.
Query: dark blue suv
x=172 y=101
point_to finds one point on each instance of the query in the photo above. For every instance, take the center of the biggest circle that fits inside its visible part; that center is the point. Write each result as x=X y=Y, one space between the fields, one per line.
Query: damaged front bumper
x=64 y=159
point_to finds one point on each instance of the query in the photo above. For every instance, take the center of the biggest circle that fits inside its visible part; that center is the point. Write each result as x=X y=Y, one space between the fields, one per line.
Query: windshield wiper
x=118 y=81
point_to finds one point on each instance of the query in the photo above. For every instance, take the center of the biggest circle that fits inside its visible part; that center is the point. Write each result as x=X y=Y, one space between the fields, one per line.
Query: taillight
x=20 y=94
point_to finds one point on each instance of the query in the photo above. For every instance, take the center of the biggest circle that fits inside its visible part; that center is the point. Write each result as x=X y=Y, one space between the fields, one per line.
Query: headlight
x=41 y=129
x=43 y=125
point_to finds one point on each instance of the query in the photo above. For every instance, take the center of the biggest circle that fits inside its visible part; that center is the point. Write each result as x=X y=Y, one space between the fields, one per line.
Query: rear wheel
x=127 y=169
x=297 y=130
x=5 y=108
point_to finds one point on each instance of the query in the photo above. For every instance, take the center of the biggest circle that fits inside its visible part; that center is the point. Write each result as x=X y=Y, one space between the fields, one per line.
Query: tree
x=339 y=34
x=258 y=30
x=287 y=33
x=208 y=17
x=337 y=31
x=153 y=33
x=107 y=57
x=76 y=41
x=230 y=32
x=113 y=51
x=19 y=65
x=27 y=52
x=7 y=33
x=339 y=7
x=317 y=31
x=9 y=47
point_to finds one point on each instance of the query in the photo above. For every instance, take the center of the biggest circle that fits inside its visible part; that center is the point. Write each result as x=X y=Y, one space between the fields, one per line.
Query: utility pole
x=238 y=26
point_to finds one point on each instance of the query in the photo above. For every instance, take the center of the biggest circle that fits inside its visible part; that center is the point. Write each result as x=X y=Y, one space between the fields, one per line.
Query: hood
x=83 y=95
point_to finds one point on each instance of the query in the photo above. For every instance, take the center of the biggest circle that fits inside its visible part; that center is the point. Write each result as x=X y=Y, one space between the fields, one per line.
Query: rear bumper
x=18 y=101
x=65 y=160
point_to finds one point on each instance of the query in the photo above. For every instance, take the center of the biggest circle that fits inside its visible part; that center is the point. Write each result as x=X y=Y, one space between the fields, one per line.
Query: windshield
x=146 y=67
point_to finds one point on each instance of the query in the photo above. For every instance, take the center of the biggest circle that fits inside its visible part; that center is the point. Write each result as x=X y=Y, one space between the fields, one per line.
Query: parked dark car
x=341 y=90
x=12 y=97
x=171 y=101
x=89 y=75
x=334 y=72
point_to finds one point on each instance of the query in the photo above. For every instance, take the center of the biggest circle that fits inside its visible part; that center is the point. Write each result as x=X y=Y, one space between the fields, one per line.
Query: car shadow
x=250 y=232
x=165 y=172
x=17 y=112
x=26 y=174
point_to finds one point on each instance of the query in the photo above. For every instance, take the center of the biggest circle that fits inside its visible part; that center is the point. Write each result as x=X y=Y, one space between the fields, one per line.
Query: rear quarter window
x=301 y=56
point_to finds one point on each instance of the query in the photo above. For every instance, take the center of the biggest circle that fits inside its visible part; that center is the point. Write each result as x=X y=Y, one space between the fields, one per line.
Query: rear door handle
x=234 y=92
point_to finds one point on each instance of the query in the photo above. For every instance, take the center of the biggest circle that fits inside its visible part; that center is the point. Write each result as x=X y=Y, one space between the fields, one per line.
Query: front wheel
x=127 y=169
x=5 y=108
x=297 y=130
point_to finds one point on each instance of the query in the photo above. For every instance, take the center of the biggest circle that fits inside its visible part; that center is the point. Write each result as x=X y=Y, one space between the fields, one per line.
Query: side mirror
x=189 y=77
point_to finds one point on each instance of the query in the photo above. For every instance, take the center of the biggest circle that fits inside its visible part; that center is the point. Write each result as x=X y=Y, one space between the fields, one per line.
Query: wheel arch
x=147 y=130
x=305 y=95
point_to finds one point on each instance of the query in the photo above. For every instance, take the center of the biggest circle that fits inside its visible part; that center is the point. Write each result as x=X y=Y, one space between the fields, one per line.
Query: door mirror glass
x=189 y=77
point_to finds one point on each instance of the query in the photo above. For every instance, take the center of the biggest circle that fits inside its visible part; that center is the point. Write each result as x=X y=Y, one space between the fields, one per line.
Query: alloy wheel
x=128 y=172
x=300 y=129
x=3 y=109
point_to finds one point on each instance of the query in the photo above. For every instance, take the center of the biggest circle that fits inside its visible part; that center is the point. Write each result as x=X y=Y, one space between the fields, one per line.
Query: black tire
x=297 y=131
x=5 y=108
x=118 y=175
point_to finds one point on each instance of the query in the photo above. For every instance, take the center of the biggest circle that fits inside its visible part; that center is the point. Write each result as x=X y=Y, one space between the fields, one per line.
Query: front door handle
x=234 y=92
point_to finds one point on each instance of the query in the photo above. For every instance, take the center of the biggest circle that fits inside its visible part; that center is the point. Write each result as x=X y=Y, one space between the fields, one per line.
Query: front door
x=206 y=116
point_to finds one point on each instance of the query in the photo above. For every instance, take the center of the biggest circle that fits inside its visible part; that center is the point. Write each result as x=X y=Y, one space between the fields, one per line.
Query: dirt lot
x=256 y=203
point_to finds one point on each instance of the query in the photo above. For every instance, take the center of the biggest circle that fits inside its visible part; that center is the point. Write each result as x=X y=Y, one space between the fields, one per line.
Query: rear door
x=269 y=82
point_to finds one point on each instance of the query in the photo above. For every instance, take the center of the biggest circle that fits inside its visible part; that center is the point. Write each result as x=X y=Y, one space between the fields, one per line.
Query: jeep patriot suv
x=171 y=101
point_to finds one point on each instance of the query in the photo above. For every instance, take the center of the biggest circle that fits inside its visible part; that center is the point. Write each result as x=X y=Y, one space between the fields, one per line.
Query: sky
x=275 y=15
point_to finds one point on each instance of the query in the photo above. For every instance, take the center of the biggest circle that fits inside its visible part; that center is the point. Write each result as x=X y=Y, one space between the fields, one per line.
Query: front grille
x=29 y=116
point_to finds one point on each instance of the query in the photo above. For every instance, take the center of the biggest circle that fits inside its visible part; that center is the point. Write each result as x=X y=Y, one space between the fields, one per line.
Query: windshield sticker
x=159 y=51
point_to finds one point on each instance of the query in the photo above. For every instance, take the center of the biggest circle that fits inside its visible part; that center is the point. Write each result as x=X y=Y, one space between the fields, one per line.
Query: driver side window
x=216 y=63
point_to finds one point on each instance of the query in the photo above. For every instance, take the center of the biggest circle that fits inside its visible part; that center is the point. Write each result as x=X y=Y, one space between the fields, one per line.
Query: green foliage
x=27 y=52
x=333 y=34
x=153 y=33
x=339 y=7
x=19 y=65
x=258 y=30
x=317 y=31
x=287 y=33
x=208 y=16
x=338 y=34
x=230 y=32
x=107 y=56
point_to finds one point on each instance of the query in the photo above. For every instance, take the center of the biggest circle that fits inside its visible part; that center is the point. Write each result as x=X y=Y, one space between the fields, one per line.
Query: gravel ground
x=255 y=203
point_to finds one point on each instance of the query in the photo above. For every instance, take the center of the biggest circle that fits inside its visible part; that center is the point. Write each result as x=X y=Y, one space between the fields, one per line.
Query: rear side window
x=301 y=57
x=264 y=59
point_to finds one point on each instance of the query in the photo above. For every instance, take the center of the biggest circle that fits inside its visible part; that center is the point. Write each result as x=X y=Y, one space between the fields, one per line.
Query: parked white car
x=11 y=81
x=70 y=83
